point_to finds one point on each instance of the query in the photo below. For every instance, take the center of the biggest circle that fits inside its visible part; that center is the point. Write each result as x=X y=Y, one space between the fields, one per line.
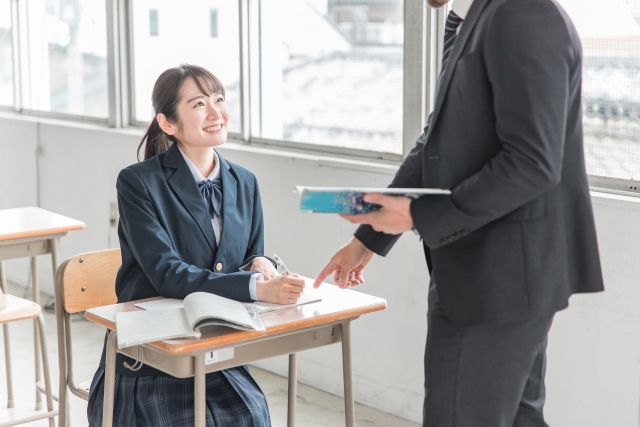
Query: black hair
x=165 y=98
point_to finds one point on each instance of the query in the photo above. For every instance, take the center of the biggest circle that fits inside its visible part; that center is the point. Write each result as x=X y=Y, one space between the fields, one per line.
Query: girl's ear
x=166 y=125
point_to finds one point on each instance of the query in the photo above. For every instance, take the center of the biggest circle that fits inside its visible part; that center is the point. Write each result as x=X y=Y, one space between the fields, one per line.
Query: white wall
x=593 y=371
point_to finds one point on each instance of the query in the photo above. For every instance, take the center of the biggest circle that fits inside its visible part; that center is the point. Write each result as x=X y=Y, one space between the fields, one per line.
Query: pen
x=281 y=264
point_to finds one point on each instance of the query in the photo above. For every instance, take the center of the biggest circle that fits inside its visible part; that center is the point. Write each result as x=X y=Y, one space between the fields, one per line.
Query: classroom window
x=187 y=40
x=64 y=57
x=153 y=22
x=329 y=73
x=611 y=85
x=6 y=54
x=214 y=22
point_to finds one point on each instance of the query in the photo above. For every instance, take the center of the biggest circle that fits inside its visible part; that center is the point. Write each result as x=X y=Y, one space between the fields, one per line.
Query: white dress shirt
x=216 y=221
x=461 y=8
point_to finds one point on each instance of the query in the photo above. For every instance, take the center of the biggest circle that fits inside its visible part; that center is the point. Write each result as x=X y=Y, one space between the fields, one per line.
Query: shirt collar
x=461 y=7
x=197 y=175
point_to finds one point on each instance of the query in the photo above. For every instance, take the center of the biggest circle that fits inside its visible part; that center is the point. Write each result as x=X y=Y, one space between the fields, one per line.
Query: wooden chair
x=13 y=309
x=83 y=281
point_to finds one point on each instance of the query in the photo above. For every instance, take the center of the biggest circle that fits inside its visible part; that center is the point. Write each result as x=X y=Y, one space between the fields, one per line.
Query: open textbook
x=347 y=200
x=170 y=318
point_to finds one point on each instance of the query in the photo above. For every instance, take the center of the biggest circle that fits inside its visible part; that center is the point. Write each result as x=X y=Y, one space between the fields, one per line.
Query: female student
x=189 y=221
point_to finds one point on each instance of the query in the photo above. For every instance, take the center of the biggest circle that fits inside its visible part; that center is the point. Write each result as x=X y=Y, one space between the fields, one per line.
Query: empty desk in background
x=25 y=233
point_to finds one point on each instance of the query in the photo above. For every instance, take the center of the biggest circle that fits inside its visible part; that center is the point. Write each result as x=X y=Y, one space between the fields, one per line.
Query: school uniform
x=174 y=243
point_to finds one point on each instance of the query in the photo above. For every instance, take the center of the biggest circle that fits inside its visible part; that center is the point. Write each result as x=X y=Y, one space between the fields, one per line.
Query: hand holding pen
x=283 y=267
x=283 y=289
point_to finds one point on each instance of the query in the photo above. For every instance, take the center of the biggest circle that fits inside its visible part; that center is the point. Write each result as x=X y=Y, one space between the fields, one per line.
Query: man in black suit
x=516 y=237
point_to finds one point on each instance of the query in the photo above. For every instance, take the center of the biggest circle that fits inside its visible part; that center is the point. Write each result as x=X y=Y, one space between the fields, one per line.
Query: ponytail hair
x=165 y=98
x=155 y=140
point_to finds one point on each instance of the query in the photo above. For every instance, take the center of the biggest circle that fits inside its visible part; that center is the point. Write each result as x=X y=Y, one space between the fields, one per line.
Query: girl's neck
x=202 y=158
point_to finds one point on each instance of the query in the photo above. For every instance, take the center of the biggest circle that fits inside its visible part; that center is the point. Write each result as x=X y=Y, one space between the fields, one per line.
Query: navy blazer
x=167 y=239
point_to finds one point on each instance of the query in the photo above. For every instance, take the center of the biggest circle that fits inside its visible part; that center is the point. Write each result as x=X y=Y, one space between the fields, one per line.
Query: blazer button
x=219 y=266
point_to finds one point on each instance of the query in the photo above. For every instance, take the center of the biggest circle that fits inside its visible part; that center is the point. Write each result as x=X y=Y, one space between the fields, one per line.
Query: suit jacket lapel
x=186 y=190
x=465 y=32
x=230 y=221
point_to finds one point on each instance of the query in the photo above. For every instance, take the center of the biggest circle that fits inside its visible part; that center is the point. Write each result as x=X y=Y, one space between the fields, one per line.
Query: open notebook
x=169 y=318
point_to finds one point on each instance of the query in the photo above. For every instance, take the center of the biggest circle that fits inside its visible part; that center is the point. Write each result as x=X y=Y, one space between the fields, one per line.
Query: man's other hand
x=394 y=217
x=347 y=265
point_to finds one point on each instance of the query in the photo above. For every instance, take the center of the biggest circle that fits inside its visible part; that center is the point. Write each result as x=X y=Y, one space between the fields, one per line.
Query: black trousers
x=484 y=376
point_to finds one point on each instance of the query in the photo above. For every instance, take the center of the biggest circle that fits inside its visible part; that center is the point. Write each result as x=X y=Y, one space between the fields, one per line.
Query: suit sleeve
x=409 y=175
x=528 y=55
x=153 y=249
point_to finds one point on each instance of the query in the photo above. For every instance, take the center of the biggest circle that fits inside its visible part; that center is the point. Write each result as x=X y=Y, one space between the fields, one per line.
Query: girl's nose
x=214 y=113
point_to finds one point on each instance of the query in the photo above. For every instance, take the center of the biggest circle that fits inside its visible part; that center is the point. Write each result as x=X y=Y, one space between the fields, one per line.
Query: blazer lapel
x=230 y=221
x=186 y=190
x=465 y=32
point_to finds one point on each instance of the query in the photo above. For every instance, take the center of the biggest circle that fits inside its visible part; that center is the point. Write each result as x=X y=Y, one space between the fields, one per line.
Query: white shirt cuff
x=252 y=285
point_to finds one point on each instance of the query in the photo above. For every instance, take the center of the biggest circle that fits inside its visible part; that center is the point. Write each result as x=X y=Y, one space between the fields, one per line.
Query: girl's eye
x=199 y=104
x=221 y=99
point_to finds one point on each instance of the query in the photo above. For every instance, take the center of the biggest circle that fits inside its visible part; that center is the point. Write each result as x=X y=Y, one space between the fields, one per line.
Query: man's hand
x=394 y=217
x=282 y=289
x=264 y=266
x=347 y=265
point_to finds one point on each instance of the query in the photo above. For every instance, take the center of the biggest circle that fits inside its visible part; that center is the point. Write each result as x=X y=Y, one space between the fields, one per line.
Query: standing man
x=516 y=236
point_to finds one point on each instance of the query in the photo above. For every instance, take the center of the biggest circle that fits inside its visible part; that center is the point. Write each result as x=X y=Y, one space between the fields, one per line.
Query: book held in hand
x=198 y=310
x=345 y=200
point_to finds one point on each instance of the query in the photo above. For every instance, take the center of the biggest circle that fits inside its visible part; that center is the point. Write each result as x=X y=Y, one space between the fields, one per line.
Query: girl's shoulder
x=240 y=173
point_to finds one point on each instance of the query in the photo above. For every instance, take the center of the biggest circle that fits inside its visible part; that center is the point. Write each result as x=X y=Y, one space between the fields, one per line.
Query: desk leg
x=35 y=297
x=7 y=347
x=63 y=405
x=346 y=368
x=109 y=381
x=293 y=389
x=199 y=390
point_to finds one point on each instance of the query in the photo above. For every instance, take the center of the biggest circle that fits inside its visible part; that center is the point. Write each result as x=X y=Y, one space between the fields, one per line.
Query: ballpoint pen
x=281 y=264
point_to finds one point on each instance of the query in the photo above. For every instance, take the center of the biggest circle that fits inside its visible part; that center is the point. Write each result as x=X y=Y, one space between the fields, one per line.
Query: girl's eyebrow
x=202 y=96
x=195 y=97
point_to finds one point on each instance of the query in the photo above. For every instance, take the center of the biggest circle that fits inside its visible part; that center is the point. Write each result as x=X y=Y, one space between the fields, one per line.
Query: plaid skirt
x=233 y=398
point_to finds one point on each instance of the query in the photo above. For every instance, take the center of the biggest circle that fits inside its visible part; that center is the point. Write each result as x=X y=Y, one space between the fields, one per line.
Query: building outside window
x=214 y=23
x=329 y=72
x=63 y=57
x=6 y=54
x=610 y=37
x=153 y=22
x=185 y=38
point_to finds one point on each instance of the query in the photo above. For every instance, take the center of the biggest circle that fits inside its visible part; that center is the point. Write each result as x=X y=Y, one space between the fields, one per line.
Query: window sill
x=616 y=200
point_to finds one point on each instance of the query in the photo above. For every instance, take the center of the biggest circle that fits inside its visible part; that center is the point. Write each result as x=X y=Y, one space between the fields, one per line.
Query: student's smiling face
x=203 y=119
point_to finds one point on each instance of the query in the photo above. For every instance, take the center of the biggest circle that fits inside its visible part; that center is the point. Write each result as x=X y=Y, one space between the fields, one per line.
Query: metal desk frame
x=28 y=247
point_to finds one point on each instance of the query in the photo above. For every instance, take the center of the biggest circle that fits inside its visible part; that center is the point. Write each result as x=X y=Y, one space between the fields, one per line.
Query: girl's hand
x=283 y=289
x=264 y=266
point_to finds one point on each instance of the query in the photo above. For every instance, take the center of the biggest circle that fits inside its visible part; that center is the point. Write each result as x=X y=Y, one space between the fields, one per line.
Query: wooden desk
x=28 y=232
x=288 y=331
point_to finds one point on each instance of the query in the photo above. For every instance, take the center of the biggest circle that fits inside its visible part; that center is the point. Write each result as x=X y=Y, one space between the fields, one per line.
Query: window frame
x=18 y=17
x=423 y=39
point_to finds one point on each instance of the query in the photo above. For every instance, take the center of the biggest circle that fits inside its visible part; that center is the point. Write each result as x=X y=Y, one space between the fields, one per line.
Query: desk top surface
x=336 y=305
x=19 y=223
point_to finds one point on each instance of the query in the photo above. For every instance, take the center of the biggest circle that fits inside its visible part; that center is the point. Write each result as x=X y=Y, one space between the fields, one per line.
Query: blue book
x=350 y=200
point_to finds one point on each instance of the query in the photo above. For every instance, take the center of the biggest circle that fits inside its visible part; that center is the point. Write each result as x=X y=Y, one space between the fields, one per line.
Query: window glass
x=6 y=54
x=611 y=84
x=64 y=57
x=330 y=73
x=185 y=35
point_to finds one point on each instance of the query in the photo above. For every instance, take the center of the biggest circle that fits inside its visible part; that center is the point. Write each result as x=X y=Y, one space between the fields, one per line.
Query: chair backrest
x=89 y=280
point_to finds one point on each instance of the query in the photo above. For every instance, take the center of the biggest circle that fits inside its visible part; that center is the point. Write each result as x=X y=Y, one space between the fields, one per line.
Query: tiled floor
x=314 y=407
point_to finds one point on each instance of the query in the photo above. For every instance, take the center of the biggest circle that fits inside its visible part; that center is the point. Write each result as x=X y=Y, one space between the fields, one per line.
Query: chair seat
x=84 y=387
x=13 y=308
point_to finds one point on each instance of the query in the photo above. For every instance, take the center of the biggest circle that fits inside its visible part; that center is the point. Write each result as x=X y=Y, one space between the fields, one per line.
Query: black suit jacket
x=166 y=236
x=516 y=237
